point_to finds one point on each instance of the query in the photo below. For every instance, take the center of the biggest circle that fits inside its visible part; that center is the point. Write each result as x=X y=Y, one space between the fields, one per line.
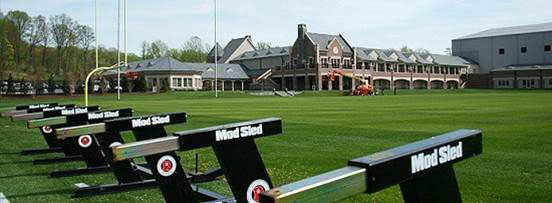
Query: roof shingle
x=324 y=39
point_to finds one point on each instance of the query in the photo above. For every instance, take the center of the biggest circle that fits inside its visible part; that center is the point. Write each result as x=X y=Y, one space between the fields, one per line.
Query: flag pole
x=119 y=49
x=216 y=54
x=126 y=35
x=96 y=44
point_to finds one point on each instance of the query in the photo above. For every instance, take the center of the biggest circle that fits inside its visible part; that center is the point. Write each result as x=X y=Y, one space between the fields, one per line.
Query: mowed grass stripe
x=322 y=130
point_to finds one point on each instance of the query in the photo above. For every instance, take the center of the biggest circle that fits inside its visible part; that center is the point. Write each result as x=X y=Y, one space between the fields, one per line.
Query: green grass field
x=322 y=131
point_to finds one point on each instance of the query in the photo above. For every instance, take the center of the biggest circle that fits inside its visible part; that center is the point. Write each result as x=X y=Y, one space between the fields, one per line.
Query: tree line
x=42 y=49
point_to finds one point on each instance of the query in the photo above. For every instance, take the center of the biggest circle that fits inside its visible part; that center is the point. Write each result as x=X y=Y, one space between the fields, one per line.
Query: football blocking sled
x=423 y=170
x=234 y=147
x=86 y=144
x=128 y=174
x=69 y=147
x=37 y=113
x=21 y=109
x=53 y=144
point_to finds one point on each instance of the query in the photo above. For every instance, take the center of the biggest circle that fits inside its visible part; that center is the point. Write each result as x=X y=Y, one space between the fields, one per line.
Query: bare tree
x=145 y=50
x=194 y=44
x=45 y=41
x=421 y=51
x=406 y=49
x=85 y=36
x=21 y=21
x=63 y=30
x=158 y=49
x=263 y=45
x=194 y=50
x=35 y=35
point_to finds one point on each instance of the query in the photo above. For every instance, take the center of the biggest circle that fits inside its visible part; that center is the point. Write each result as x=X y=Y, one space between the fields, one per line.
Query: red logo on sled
x=47 y=129
x=167 y=165
x=85 y=141
x=255 y=189
x=257 y=192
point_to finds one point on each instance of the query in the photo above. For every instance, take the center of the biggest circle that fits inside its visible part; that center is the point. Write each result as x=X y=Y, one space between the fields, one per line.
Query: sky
x=428 y=24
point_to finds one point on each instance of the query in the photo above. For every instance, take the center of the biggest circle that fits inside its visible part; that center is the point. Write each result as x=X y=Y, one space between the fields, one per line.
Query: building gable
x=429 y=58
x=412 y=57
x=235 y=48
x=373 y=54
x=309 y=46
x=394 y=56
x=334 y=48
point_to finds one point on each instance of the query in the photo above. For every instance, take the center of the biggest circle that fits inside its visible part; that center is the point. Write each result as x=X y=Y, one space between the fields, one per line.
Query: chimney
x=301 y=31
x=248 y=36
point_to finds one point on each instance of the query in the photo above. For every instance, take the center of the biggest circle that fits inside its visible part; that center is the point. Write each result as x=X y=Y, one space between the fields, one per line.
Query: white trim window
x=187 y=83
x=176 y=82
x=528 y=83
x=502 y=83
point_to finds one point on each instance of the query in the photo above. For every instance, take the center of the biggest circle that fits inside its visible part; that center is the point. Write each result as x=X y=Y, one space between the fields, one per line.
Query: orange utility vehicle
x=361 y=90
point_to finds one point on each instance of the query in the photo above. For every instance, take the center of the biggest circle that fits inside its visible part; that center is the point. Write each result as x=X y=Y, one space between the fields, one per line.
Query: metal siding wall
x=547 y=41
x=535 y=48
x=487 y=48
x=478 y=50
x=456 y=48
x=511 y=51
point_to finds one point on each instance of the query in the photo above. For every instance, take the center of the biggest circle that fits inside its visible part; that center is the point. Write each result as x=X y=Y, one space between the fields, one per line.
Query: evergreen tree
x=113 y=85
x=140 y=84
x=11 y=87
x=79 y=89
x=51 y=85
x=124 y=84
